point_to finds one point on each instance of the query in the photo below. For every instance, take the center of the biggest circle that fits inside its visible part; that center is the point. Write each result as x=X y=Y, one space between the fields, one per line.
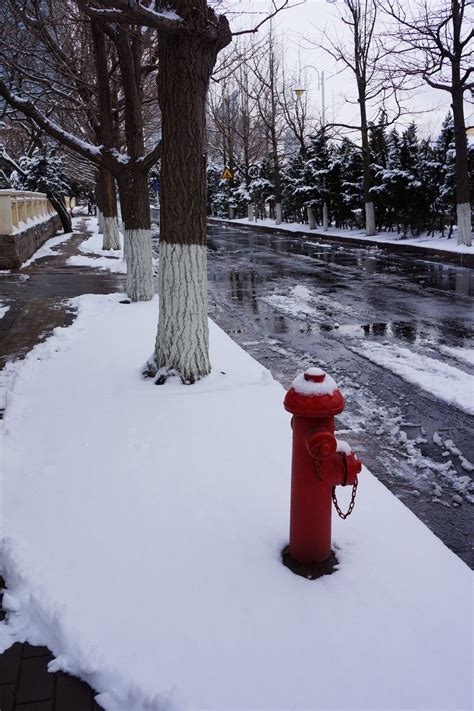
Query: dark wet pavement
x=292 y=302
x=38 y=298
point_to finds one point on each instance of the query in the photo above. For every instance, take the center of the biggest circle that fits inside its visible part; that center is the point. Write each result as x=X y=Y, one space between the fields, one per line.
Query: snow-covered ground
x=3 y=310
x=425 y=241
x=142 y=528
x=48 y=248
x=106 y=260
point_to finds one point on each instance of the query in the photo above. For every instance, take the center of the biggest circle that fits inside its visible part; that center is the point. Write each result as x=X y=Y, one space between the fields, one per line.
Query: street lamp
x=321 y=87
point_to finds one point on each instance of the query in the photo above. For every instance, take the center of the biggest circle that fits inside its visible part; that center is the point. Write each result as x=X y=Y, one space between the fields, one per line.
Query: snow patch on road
x=3 y=310
x=463 y=355
x=301 y=302
x=47 y=250
x=296 y=303
x=441 y=380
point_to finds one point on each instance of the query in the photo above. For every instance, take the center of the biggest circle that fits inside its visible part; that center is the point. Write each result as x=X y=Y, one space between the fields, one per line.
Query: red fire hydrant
x=320 y=462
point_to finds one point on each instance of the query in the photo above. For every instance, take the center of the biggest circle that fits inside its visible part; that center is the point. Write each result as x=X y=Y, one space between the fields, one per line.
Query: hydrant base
x=310 y=571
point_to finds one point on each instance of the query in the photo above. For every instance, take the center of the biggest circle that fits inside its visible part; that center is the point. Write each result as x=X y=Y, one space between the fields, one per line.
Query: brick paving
x=37 y=297
x=26 y=684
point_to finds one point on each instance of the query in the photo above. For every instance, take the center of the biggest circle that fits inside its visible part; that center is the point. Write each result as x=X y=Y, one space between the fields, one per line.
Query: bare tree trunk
x=61 y=209
x=463 y=205
x=108 y=209
x=182 y=341
x=325 y=217
x=137 y=237
x=368 y=200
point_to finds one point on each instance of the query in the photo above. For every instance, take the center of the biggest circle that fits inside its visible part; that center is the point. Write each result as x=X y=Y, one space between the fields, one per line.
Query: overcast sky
x=300 y=25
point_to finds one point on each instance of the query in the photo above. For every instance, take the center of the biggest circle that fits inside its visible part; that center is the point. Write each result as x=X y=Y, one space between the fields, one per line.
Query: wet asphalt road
x=291 y=303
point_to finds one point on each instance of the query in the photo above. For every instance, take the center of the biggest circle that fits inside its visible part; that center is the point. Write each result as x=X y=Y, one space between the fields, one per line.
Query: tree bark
x=182 y=341
x=369 y=203
x=137 y=237
x=108 y=207
x=61 y=209
x=463 y=205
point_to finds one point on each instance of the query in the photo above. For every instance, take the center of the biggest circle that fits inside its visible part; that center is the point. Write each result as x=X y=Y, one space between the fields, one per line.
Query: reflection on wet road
x=398 y=334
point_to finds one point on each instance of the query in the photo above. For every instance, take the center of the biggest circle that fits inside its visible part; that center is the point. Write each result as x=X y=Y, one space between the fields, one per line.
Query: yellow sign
x=227 y=175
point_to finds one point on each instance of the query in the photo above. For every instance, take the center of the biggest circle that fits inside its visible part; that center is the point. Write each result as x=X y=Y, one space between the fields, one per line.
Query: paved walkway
x=37 y=297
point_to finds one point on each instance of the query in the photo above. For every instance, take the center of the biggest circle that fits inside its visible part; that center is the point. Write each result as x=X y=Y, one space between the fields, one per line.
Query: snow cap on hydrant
x=314 y=394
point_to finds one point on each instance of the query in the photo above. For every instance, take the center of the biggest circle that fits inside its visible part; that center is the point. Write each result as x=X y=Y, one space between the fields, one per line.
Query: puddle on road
x=364 y=262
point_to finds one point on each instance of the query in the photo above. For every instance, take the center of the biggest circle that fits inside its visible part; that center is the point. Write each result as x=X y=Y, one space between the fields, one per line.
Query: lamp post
x=321 y=87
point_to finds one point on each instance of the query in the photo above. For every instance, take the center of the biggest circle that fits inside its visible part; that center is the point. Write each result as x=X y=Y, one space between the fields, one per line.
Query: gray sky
x=308 y=21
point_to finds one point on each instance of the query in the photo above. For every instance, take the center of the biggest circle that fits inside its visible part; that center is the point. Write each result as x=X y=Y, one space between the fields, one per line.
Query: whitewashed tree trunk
x=278 y=214
x=100 y=221
x=464 y=223
x=231 y=212
x=110 y=233
x=325 y=217
x=311 y=218
x=369 y=219
x=182 y=342
x=250 y=212
x=137 y=248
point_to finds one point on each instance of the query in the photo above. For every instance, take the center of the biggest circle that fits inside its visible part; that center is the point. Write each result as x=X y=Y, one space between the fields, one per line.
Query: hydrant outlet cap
x=314 y=377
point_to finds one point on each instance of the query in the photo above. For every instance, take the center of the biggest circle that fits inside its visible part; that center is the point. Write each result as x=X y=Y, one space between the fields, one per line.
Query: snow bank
x=93 y=245
x=464 y=355
x=109 y=264
x=444 y=381
x=142 y=534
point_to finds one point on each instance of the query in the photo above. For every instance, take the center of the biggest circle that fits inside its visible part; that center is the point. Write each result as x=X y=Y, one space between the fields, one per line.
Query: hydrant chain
x=351 y=505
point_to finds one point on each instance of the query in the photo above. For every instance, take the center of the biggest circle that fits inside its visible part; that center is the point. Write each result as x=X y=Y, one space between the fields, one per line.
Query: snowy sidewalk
x=424 y=245
x=36 y=302
x=145 y=549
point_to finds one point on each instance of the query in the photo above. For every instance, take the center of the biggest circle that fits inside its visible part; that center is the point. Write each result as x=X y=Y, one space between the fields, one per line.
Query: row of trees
x=390 y=49
x=413 y=182
x=120 y=84
x=91 y=74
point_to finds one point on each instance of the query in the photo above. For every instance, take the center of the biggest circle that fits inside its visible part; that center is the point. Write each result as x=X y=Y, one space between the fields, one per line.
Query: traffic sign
x=227 y=175
x=254 y=171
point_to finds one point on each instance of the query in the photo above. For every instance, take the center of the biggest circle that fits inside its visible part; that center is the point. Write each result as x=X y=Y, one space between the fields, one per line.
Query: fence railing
x=20 y=209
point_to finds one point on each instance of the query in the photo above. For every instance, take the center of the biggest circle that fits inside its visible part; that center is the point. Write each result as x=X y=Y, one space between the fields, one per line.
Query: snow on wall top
x=307 y=383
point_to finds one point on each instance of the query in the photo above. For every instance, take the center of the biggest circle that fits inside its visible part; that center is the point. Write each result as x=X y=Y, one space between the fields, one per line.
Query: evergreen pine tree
x=43 y=173
x=446 y=156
